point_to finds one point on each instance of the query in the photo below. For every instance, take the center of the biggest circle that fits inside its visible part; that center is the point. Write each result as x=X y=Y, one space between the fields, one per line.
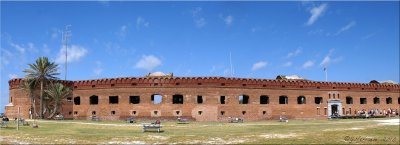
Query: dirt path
x=88 y=123
x=389 y=122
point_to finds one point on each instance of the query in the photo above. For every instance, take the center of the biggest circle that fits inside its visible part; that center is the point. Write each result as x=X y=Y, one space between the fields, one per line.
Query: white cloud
x=55 y=32
x=105 y=3
x=46 y=50
x=74 y=52
x=347 y=27
x=227 y=72
x=198 y=20
x=148 y=62
x=213 y=69
x=294 y=53
x=141 y=22
x=308 y=64
x=368 y=36
x=228 y=20
x=18 y=47
x=22 y=48
x=5 y=57
x=98 y=69
x=259 y=65
x=123 y=30
x=32 y=48
x=316 y=12
x=328 y=60
x=288 y=64
x=196 y=11
x=12 y=76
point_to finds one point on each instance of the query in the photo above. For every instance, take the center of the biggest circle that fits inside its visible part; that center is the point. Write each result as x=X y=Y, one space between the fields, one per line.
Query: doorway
x=334 y=107
x=334 y=110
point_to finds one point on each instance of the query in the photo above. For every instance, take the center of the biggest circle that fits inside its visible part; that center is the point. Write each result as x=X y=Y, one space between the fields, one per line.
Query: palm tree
x=42 y=71
x=57 y=92
x=30 y=85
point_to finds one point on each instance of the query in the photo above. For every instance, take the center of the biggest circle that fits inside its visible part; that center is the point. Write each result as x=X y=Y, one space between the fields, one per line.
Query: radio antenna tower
x=230 y=61
x=66 y=34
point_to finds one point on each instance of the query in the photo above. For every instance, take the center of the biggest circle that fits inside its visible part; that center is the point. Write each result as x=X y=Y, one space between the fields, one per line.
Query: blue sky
x=356 y=41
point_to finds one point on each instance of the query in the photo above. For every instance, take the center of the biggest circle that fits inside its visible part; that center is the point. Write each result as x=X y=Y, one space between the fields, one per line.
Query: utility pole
x=230 y=61
x=65 y=38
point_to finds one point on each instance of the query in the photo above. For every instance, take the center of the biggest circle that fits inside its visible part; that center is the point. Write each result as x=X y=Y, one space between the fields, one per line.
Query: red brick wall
x=211 y=89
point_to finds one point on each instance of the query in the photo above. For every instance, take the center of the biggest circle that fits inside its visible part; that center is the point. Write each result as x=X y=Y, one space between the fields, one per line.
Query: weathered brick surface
x=211 y=88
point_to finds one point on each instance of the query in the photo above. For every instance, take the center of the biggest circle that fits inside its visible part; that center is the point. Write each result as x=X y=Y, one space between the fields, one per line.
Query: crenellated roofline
x=217 y=82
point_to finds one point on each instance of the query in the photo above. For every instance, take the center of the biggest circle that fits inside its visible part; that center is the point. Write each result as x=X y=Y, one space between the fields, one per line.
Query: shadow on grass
x=154 y=131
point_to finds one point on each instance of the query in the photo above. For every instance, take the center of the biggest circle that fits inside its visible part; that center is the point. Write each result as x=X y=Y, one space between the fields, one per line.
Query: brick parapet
x=219 y=82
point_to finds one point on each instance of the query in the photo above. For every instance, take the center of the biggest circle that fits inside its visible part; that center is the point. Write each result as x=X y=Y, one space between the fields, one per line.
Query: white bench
x=236 y=120
x=59 y=117
x=147 y=127
x=94 y=118
x=182 y=121
x=283 y=119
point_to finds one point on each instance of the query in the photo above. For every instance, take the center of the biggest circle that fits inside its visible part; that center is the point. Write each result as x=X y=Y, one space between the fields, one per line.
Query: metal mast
x=230 y=61
x=326 y=74
x=65 y=38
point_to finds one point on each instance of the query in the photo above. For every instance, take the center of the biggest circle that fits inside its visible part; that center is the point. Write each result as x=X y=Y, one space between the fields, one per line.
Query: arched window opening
x=301 y=100
x=283 y=100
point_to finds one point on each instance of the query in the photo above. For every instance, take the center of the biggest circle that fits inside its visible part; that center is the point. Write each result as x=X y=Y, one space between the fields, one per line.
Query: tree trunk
x=32 y=105
x=41 y=100
x=34 y=111
x=54 y=111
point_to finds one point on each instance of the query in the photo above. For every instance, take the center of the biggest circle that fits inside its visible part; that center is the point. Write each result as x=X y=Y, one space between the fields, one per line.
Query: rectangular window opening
x=264 y=99
x=113 y=99
x=377 y=100
x=243 y=99
x=318 y=100
x=389 y=100
x=349 y=100
x=156 y=99
x=134 y=99
x=77 y=100
x=199 y=99
x=177 y=99
x=94 y=100
x=363 y=100
x=222 y=99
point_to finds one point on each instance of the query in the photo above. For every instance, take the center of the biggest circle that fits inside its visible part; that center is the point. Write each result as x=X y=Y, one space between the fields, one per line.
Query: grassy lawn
x=352 y=131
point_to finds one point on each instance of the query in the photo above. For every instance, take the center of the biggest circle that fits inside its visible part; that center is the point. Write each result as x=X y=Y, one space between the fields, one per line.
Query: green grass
x=357 y=131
